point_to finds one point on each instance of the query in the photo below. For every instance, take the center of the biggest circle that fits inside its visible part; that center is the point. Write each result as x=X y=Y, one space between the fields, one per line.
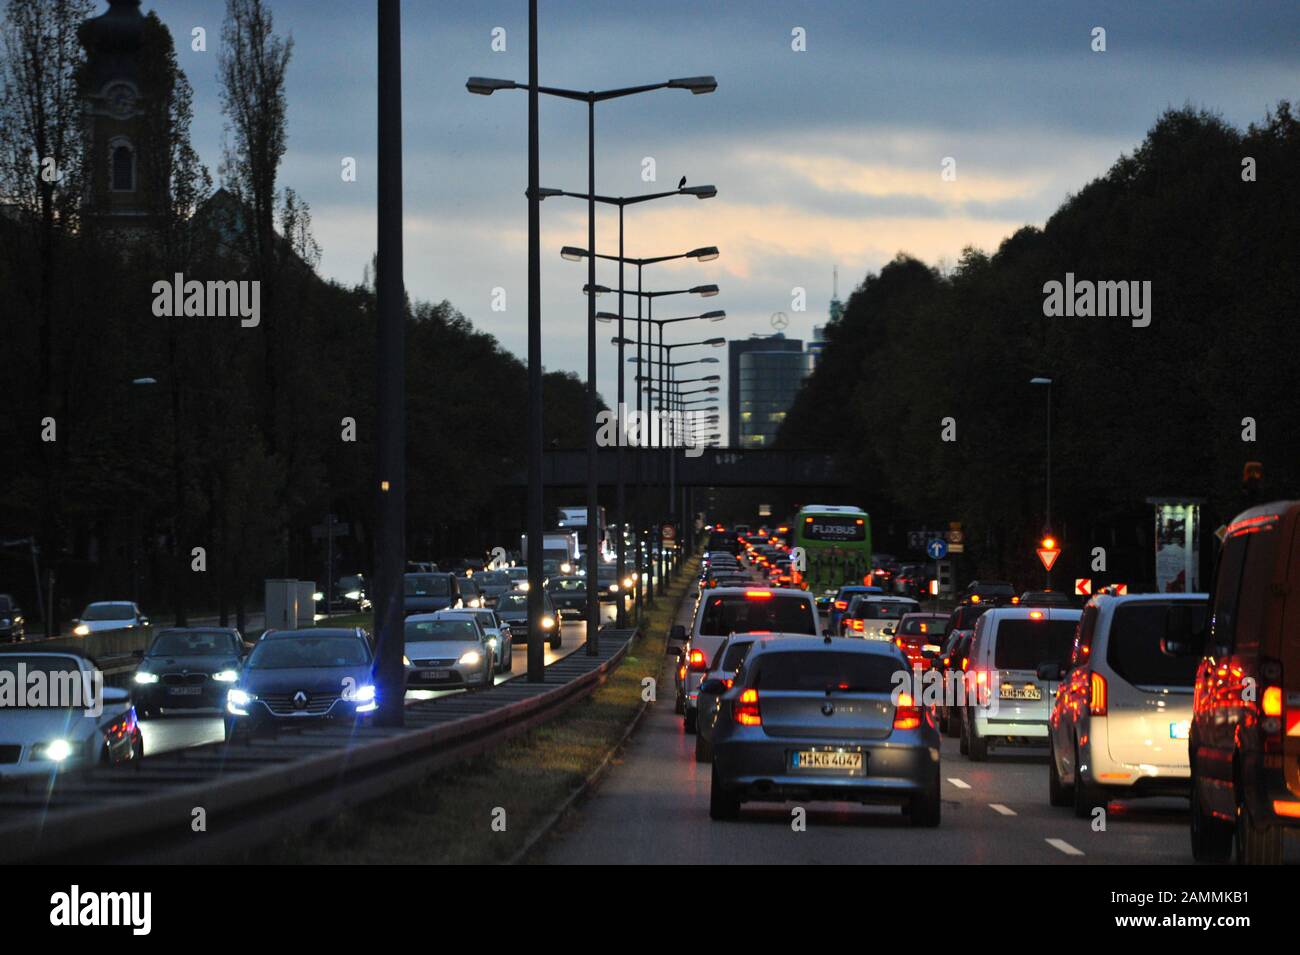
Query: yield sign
x=1082 y=586
x=1048 y=556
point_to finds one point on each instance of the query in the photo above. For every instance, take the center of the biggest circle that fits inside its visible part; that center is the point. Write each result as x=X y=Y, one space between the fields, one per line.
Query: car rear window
x=1024 y=644
x=883 y=610
x=776 y=613
x=820 y=671
x=1133 y=649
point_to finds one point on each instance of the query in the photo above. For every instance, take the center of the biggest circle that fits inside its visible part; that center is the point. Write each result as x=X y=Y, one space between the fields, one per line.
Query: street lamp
x=486 y=86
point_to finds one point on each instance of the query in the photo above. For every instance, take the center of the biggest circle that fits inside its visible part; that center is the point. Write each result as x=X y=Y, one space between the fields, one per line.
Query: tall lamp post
x=486 y=86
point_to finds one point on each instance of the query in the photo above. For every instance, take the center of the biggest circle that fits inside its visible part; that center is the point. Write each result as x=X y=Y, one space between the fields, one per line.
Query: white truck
x=559 y=552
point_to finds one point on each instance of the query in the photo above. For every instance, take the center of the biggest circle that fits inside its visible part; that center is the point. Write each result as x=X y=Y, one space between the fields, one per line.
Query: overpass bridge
x=716 y=467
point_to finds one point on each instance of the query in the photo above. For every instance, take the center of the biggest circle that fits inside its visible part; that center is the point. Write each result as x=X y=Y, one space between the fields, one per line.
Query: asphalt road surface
x=182 y=729
x=653 y=807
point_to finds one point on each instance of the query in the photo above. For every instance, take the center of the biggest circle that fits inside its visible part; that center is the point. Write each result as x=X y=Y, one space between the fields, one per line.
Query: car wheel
x=702 y=754
x=925 y=811
x=510 y=657
x=1058 y=794
x=723 y=804
x=1087 y=797
x=1211 y=838
x=688 y=721
x=1256 y=844
x=557 y=640
x=978 y=746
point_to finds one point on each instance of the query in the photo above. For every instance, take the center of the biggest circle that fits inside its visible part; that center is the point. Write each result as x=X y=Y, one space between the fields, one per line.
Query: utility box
x=306 y=603
x=946 y=587
x=283 y=610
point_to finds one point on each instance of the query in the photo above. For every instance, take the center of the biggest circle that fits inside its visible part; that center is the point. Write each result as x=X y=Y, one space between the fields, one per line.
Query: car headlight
x=406 y=661
x=628 y=581
x=318 y=596
x=613 y=588
x=353 y=595
x=144 y=676
x=492 y=642
x=523 y=585
x=566 y=568
x=57 y=750
x=475 y=602
x=548 y=622
x=238 y=701
x=470 y=658
x=81 y=630
x=226 y=676
x=364 y=694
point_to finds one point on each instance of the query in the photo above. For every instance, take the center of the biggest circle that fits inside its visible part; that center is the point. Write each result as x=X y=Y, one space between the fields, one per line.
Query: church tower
x=112 y=87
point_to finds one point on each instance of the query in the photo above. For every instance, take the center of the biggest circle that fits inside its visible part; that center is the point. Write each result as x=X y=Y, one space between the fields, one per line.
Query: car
x=492 y=584
x=425 y=593
x=518 y=577
x=470 y=594
x=725 y=663
x=870 y=615
x=1123 y=709
x=351 y=594
x=82 y=725
x=13 y=628
x=1044 y=598
x=447 y=650
x=811 y=718
x=730 y=610
x=301 y=676
x=824 y=601
x=918 y=635
x=1008 y=703
x=187 y=668
x=841 y=603
x=513 y=609
x=499 y=635
x=1244 y=741
x=952 y=665
x=996 y=592
x=104 y=615
x=568 y=594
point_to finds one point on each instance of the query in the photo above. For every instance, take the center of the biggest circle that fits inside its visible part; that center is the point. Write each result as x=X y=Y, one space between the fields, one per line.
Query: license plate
x=435 y=674
x=824 y=759
x=184 y=690
x=1029 y=691
x=1180 y=730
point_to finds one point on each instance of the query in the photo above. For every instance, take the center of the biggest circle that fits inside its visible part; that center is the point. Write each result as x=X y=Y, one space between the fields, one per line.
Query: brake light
x=729 y=683
x=965 y=662
x=841 y=605
x=1097 y=695
x=1035 y=615
x=1016 y=600
x=1272 y=707
x=745 y=710
x=907 y=715
x=681 y=673
x=698 y=661
x=855 y=624
x=1273 y=701
x=758 y=594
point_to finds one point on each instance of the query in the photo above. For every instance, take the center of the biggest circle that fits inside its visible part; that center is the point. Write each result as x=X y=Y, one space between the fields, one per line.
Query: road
x=653 y=807
x=182 y=729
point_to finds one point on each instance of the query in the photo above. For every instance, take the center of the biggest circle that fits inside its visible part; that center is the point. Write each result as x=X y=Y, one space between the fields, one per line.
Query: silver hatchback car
x=826 y=719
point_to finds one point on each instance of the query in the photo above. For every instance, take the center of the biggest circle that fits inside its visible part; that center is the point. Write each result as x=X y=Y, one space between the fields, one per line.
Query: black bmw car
x=569 y=594
x=295 y=676
x=187 y=668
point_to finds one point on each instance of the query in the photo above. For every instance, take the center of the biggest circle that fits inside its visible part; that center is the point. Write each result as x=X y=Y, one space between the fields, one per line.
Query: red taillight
x=907 y=715
x=698 y=661
x=758 y=594
x=1097 y=695
x=1273 y=709
x=729 y=683
x=841 y=605
x=745 y=710
x=1273 y=701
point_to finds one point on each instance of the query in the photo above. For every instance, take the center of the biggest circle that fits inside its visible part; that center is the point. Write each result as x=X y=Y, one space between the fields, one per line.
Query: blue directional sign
x=937 y=549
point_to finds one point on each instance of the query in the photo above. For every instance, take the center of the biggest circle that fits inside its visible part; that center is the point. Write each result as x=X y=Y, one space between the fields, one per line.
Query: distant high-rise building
x=766 y=372
x=818 y=343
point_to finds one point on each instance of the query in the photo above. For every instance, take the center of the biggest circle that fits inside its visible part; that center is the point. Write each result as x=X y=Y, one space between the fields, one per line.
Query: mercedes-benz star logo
x=780 y=321
x=299 y=700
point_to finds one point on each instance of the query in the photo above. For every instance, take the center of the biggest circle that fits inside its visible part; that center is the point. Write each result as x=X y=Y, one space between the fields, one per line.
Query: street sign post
x=937 y=549
x=1082 y=586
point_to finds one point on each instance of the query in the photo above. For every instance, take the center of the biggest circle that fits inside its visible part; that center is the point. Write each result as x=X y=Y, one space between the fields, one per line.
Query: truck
x=574 y=518
x=560 y=552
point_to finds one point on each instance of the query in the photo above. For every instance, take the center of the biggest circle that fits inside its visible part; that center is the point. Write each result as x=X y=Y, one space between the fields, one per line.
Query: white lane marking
x=1004 y=810
x=958 y=783
x=1064 y=846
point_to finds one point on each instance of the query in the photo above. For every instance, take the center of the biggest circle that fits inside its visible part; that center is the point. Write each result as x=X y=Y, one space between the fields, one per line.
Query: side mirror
x=1050 y=672
x=678 y=632
x=713 y=687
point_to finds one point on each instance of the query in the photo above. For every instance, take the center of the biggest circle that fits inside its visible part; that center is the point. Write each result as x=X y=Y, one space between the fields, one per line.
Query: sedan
x=818 y=719
x=187 y=668
x=76 y=723
x=569 y=594
x=108 y=615
x=513 y=609
x=499 y=636
x=296 y=676
x=725 y=664
x=447 y=650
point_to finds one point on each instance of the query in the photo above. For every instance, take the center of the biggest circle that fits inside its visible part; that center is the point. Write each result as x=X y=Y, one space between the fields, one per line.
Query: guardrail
x=251 y=791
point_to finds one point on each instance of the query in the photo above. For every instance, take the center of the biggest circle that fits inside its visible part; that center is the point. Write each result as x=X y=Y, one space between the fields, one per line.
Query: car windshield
x=883 y=610
x=493 y=578
x=512 y=602
x=427 y=585
x=567 y=584
x=1134 y=646
x=763 y=610
x=1024 y=644
x=288 y=653
x=61 y=682
x=820 y=672
x=517 y=573
x=201 y=643
x=461 y=631
x=108 y=612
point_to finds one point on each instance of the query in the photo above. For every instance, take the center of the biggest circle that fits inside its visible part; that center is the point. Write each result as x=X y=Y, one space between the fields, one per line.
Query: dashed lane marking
x=960 y=784
x=1064 y=846
x=1004 y=810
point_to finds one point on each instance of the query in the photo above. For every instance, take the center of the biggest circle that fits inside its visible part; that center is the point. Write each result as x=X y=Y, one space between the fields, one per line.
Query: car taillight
x=907 y=715
x=681 y=673
x=758 y=594
x=698 y=661
x=1097 y=695
x=1272 y=706
x=841 y=605
x=855 y=624
x=729 y=683
x=745 y=710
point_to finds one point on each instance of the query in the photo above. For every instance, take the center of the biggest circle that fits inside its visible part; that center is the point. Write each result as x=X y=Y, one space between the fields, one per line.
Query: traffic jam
x=796 y=692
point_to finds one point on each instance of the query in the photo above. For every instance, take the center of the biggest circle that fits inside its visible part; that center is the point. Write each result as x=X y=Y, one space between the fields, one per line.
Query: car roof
x=925 y=613
x=1115 y=600
x=774 y=591
x=111 y=603
x=772 y=643
x=312 y=632
x=1023 y=613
